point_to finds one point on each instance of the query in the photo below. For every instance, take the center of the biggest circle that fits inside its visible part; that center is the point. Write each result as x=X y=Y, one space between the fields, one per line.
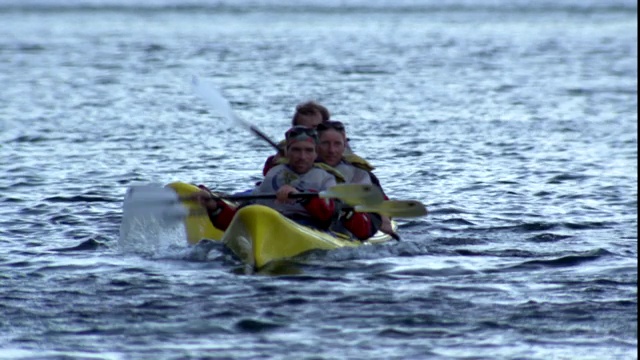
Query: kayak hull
x=259 y=234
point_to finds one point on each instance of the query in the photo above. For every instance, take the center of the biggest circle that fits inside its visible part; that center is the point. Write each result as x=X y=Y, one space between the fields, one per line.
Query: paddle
x=212 y=96
x=350 y=194
x=395 y=208
x=390 y=208
x=363 y=198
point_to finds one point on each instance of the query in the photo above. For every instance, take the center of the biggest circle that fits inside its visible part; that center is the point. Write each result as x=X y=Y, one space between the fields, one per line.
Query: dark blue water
x=515 y=122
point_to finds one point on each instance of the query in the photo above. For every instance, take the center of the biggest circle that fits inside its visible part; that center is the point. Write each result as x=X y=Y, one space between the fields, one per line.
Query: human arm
x=318 y=208
x=361 y=225
x=271 y=162
x=274 y=160
x=220 y=213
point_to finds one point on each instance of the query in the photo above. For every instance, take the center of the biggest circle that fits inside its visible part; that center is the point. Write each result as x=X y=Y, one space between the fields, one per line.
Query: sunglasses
x=297 y=131
x=336 y=125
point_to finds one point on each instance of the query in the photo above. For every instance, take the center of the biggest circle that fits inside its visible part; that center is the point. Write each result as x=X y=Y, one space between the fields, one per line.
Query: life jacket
x=340 y=178
x=358 y=162
x=348 y=155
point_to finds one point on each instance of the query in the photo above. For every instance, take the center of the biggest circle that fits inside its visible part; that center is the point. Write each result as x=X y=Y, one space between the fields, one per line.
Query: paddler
x=308 y=114
x=298 y=175
x=332 y=144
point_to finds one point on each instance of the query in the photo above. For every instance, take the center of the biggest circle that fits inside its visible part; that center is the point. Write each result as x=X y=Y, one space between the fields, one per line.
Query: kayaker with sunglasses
x=308 y=114
x=300 y=174
x=332 y=144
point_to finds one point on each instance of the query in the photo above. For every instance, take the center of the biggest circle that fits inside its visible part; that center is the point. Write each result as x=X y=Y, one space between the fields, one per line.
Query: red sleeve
x=320 y=209
x=222 y=219
x=268 y=165
x=360 y=225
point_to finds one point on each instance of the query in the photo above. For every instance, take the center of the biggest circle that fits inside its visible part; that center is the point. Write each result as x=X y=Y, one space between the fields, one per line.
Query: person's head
x=332 y=141
x=301 y=148
x=310 y=114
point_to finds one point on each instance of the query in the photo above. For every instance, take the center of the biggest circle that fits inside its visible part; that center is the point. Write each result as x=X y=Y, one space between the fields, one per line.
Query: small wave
x=18 y=264
x=534 y=226
x=397 y=333
x=458 y=221
x=363 y=70
x=601 y=90
x=447 y=211
x=90 y=244
x=455 y=241
x=256 y=326
x=543 y=193
x=498 y=253
x=474 y=187
x=559 y=179
x=588 y=225
x=31 y=139
x=81 y=198
x=549 y=226
x=445 y=272
x=29 y=48
x=66 y=219
x=564 y=261
x=548 y=237
x=620 y=278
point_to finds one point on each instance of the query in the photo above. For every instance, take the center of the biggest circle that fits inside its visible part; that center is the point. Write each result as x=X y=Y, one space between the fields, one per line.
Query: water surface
x=516 y=123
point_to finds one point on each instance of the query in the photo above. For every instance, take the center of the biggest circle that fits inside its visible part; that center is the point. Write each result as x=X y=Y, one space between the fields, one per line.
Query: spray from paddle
x=151 y=231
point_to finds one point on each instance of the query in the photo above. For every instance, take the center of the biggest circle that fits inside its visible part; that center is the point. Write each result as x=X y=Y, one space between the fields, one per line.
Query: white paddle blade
x=354 y=194
x=395 y=208
x=213 y=97
x=154 y=200
x=152 y=193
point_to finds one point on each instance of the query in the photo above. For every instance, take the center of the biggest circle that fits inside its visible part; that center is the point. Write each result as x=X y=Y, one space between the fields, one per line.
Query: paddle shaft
x=390 y=208
x=303 y=195
x=264 y=137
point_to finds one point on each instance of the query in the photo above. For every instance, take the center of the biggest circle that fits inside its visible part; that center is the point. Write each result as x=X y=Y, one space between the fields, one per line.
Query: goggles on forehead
x=336 y=125
x=301 y=133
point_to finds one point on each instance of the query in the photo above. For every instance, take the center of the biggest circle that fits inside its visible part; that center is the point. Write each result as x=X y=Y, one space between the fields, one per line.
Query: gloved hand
x=361 y=225
x=207 y=199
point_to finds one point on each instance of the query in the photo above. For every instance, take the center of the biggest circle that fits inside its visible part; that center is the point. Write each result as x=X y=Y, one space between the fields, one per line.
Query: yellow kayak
x=258 y=234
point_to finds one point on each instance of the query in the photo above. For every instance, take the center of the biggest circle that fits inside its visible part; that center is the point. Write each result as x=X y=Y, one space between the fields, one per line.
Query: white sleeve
x=361 y=177
x=329 y=181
